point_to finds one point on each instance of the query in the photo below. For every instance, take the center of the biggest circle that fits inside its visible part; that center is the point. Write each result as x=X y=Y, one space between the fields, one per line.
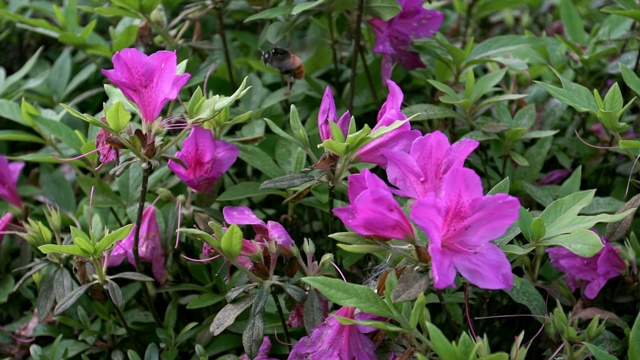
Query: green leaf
x=382 y=9
x=501 y=187
x=613 y=100
x=71 y=298
x=131 y=276
x=600 y=354
x=526 y=294
x=287 y=181
x=115 y=293
x=486 y=84
x=630 y=78
x=312 y=311
x=565 y=210
x=572 y=20
x=118 y=117
x=422 y=112
x=58 y=129
x=271 y=13
x=64 y=249
x=113 y=237
x=585 y=243
x=17 y=135
x=634 y=339
x=441 y=344
x=302 y=7
x=260 y=160
x=347 y=294
x=231 y=242
x=103 y=196
x=57 y=188
x=226 y=317
x=248 y=189
x=204 y=300
x=503 y=44
x=572 y=94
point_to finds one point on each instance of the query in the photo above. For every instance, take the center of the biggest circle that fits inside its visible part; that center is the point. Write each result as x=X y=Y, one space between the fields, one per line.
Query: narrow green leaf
x=441 y=344
x=572 y=20
x=600 y=354
x=64 y=249
x=113 y=237
x=634 y=339
x=115 y=293
x=226 y=317
x=71 y=299
x=131 y=276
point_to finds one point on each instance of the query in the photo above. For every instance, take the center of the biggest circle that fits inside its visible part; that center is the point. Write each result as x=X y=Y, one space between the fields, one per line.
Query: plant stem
x=453 y=324
x=282 y=320
x=354 y=58
x=126 y=327
x=225 y=48
x=136 y=242
x=368 y=74
x=336 y=69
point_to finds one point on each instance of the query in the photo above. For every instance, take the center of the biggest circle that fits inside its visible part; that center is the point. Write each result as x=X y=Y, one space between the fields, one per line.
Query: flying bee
x=286 y=62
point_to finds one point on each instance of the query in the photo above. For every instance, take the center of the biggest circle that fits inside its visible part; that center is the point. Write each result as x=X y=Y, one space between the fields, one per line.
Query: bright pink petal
x=487 y=268
x=442 y=267
x=326 y=114
x=5 y=220
x=279 y=234
x=9 y=173
x=147 y=81
x=241 y=215
x=206 y=159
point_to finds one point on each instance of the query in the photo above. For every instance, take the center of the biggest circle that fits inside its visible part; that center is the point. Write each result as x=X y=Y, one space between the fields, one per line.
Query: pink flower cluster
x=446 y=199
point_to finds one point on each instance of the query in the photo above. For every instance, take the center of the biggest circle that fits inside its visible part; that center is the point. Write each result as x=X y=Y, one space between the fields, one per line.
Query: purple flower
x=148 y=81
x=206 y=159
x=149 y=245
x=263 y=351
x=332 y=340
x=395 y=36
x=108 y=153
x=399 y=139
x=460 y=223
x=555 y=177
x=420 y=171
x=327 y=114
x=265 y=233
x=594 y=272
x=4 y=224
x=373 y=210
x=9 y=173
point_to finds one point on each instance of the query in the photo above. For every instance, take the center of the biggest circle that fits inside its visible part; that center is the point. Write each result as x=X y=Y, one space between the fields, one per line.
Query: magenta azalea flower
x=399 y=139
x=594 y=272
x=327 y=114
x=395 y=36
x=332 y=340
x=148 y=81
x=265 y=233
x=149 y=246
x=206 y=159
x=373 y=210
x=460 y=223
x=9 y=173
x=4 y=224
x=420 y=171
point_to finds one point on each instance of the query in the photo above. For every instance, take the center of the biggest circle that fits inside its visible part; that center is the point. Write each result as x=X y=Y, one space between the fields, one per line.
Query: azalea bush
x=407 y=180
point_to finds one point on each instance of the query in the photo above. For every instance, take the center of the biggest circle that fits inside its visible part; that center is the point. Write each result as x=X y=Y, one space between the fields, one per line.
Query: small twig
x=227 y=58
x=136 y=243
x=368 y=74
x=356 y=47
x=282 y=320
